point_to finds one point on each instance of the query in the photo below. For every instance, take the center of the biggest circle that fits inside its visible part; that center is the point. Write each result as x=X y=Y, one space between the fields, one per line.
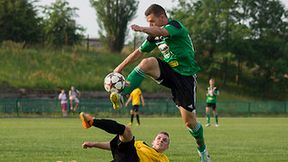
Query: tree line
x=240 y=41
x=55 y=25
x=243 y=41
x=20 y=22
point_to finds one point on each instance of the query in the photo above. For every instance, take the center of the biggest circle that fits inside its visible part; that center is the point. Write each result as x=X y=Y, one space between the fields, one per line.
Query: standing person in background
x=176 y=70
x=211 y=96
x=63 y=101
x=74 y=94
x=135 y=97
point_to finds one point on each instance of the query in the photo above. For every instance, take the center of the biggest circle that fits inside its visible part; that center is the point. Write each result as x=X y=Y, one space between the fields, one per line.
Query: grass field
x=27 y=68
x=57 y=139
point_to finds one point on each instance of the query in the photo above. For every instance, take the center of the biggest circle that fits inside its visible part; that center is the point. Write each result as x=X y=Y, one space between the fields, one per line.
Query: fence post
x=249 y=108
x=17 y=107
x=147 y=104
x=88 y=43
x=167 y=106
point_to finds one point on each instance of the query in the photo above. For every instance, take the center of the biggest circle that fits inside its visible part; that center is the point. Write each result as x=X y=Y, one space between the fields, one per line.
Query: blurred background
x=46 y=46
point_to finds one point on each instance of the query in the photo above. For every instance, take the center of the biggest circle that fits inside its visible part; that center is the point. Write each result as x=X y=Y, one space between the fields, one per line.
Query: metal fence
x=45 y=106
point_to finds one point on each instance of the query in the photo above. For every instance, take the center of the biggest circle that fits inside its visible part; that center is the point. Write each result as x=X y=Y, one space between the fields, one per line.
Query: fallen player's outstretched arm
x=100 y=145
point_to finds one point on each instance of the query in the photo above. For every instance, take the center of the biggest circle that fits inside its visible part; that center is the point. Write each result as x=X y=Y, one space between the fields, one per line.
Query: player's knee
x=147 y=63
x=127 y=135
x=189 y=125
x=127 y=132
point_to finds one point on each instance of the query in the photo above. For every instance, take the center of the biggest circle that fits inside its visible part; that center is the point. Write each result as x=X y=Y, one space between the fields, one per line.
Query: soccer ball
x=114 y=82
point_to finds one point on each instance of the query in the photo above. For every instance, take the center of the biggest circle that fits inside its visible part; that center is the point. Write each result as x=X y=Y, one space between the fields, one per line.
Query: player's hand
x=136 y=28
x=86 y=145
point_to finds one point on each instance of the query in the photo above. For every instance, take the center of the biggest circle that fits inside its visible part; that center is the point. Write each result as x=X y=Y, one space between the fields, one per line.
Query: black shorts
x=123 y=151
x=183 y=88
x=135 y=108
x=211 y=105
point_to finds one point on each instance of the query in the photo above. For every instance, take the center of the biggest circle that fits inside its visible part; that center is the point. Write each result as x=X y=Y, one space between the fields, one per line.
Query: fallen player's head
x=161 y=142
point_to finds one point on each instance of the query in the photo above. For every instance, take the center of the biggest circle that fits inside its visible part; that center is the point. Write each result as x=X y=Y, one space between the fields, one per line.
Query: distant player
x=123 y=146
x=63 y=101
x=176 y=69
x=135 y=97
x=74 y=94
x=211 y=96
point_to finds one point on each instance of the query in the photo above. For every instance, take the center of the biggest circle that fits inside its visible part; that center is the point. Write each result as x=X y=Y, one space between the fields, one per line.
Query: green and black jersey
x=177 y=48
x=211 y=94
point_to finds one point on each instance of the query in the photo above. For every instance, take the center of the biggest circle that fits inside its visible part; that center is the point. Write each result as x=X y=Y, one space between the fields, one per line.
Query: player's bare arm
x=126 y=104
x=100 y=145
x=143 y=101
x=134 y=56
x=152 y=31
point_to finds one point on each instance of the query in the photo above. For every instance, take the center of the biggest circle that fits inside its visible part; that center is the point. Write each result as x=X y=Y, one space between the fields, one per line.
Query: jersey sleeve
x=174 y=28
x=148 y=45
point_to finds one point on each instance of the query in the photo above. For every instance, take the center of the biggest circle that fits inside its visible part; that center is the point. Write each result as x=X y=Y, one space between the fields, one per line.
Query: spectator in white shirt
x=63 y=100
x=74 y=94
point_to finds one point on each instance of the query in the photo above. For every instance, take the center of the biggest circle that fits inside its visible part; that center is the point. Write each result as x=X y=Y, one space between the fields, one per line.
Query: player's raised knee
x=147 y=63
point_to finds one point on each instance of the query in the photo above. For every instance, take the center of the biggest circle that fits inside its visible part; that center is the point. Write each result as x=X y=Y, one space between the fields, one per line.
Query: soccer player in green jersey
x=177 y=70
x=211 y=96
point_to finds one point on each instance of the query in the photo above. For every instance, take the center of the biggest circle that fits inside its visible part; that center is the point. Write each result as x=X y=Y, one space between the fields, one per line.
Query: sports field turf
x=57 y=139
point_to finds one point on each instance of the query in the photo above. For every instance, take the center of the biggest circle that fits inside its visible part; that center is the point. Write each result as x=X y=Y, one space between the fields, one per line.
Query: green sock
x=208 y=118
x=197 y=133
x=135 y=78
x=216 y=118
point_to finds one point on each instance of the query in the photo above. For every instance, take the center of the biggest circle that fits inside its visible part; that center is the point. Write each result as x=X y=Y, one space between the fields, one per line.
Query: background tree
x=205 y=26
x=113 y=17
x=59 y=26
x=241 y=38
x=269 y=25
x=19 y=21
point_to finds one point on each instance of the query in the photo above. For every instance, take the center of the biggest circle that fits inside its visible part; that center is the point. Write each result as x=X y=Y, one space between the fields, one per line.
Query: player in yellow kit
x=123 y=146
x=136 y=97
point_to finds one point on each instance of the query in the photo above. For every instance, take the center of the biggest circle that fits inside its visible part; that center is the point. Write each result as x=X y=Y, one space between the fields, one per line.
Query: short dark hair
x=155 y=9
x=165 y=133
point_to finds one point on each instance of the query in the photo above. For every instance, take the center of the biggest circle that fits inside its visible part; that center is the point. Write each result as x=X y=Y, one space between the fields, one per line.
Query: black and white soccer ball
x=114 y=82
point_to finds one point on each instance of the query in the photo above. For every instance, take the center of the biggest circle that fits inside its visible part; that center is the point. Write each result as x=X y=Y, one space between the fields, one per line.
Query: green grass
x=47 y=69
x=54 y=70
x=236 y=140
x=44 y=69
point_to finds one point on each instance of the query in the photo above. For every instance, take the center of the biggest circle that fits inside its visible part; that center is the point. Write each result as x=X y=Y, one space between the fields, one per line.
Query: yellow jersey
x=148 y=154
x=136 y=96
